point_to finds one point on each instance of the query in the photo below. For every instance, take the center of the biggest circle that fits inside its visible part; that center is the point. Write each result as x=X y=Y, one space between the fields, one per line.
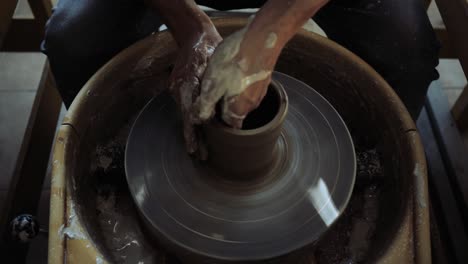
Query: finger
x=191 y=142
x=233 y=120
x=236 y=108
x=204 y=106
x=184 y=91
x=202 y=150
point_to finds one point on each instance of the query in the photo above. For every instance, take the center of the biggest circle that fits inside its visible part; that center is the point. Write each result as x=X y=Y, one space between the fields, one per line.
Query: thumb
x=204 y=106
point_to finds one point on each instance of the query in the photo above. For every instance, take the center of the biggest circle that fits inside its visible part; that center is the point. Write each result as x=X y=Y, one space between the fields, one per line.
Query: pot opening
x=265 y=112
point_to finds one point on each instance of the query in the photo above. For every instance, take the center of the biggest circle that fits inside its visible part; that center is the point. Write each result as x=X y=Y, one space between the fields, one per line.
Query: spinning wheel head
x=263 y=193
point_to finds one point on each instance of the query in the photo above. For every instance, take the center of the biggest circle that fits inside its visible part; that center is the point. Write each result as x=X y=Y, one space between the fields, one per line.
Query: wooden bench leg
x=427 y=3
x=23 y=34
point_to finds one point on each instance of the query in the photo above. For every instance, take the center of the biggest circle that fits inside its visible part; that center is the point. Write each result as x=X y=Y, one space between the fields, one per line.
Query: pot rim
x=268 y=127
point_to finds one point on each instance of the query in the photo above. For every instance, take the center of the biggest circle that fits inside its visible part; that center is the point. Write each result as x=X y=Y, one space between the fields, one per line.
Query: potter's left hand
x=239 y=71
x=197 y=38
x=185 y=79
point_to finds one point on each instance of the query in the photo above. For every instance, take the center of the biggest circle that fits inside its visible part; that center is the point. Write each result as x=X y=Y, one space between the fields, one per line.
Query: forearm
x=274 y=25
x=284 y=18
x=186 y=21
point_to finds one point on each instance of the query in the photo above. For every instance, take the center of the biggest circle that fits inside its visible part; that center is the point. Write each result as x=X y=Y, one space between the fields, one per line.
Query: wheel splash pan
x=92 y=214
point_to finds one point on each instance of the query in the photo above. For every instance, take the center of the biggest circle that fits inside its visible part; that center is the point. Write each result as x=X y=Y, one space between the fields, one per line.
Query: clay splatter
x=348 y=241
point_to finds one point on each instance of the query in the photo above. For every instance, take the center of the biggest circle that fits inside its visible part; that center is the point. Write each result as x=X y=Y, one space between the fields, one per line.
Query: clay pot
x=249 y=152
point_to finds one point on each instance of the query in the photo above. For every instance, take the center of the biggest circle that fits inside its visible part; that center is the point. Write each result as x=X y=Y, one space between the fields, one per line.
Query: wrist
x=277 y=22
x=259 y=49
x=205 y=32
x=185 y=20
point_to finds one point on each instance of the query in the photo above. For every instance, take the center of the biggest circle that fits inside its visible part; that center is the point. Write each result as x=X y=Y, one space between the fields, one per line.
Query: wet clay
x=271 y=40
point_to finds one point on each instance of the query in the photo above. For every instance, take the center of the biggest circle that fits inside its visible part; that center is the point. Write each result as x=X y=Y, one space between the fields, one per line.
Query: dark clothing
x=393 y=36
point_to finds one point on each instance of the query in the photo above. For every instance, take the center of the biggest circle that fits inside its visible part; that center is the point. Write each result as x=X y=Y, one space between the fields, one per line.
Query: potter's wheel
x=194 y=208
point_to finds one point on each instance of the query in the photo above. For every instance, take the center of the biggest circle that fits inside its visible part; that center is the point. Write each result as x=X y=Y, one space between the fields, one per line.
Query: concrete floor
x=20 y=74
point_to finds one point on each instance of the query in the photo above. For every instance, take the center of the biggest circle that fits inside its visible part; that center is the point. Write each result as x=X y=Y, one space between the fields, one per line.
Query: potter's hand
x=237 y=80
x=197 y=38
x=239 y=72
x=184 y=83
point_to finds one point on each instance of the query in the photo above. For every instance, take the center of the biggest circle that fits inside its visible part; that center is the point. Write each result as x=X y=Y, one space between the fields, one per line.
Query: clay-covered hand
x=184 y=83
x=235 y=78
x=239 y=71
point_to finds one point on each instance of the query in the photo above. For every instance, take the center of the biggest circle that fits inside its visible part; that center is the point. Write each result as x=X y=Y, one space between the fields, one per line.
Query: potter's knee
x=64 y=36
x=418 y=36
x=418 y=52
x=411 y=44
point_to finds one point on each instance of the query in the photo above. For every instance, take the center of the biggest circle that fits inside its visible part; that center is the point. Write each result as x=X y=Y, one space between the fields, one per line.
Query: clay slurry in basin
x=251 y=152
x=300 y=171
